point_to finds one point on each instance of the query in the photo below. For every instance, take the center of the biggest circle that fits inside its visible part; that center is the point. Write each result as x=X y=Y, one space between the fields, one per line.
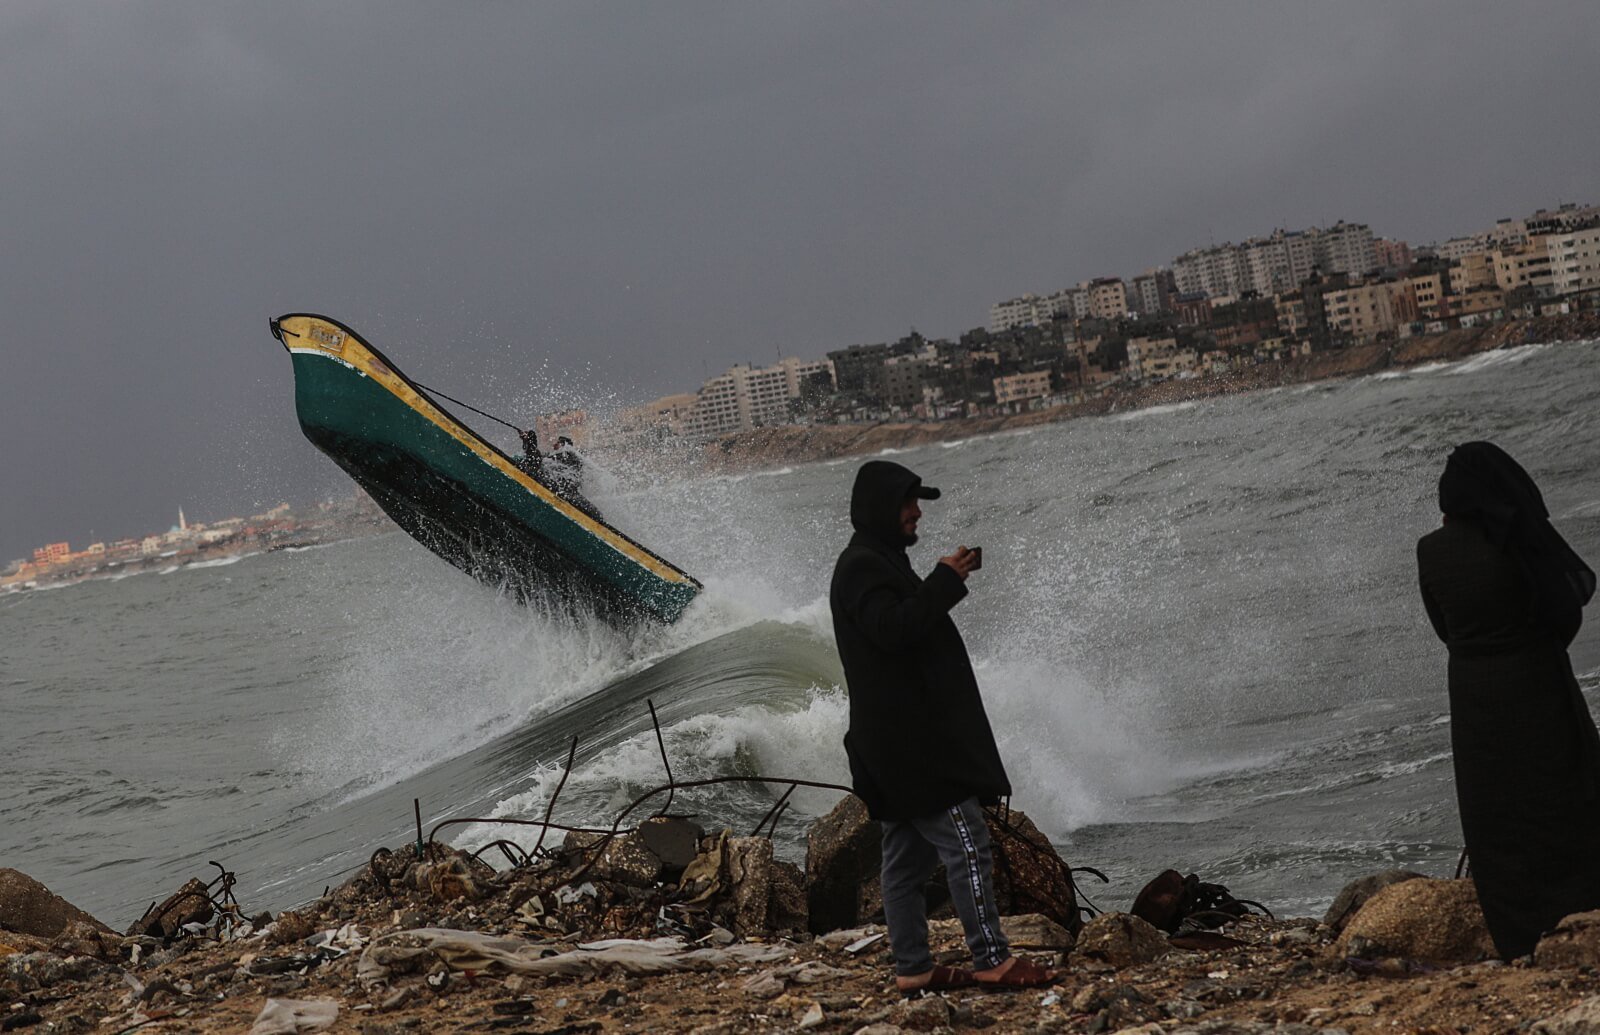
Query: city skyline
x=549 y=206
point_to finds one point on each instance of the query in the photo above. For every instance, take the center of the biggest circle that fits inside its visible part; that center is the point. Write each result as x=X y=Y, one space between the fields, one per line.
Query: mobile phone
x=977 y=557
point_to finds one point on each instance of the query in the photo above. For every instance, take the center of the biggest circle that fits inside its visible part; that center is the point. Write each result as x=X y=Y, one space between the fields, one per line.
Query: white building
x=1574 y=260
x=1277 y=263
x=747 y=397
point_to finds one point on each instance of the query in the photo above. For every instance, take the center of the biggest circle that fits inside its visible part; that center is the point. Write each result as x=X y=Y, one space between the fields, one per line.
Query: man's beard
x=908 y=538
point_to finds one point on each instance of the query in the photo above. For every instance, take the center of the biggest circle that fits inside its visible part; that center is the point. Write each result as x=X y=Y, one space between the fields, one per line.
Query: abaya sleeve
x=1435 y=615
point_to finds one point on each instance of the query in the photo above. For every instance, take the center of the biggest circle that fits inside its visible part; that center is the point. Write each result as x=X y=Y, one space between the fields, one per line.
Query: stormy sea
x=1197 y=631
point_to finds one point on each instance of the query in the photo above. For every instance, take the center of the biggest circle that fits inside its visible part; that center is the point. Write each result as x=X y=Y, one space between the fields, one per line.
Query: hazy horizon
x=578 y=203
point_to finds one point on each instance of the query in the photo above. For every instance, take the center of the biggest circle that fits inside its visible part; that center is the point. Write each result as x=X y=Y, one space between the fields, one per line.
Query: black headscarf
x=1482 y=484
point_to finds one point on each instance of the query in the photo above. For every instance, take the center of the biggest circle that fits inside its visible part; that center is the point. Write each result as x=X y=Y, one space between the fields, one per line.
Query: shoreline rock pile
x=674 y=928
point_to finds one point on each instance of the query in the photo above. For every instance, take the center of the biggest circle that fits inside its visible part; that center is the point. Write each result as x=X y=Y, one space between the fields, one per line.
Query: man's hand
x=963 y=562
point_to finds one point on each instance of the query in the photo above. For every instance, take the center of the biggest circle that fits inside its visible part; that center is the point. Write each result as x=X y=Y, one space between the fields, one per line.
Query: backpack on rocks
x=1172 y=902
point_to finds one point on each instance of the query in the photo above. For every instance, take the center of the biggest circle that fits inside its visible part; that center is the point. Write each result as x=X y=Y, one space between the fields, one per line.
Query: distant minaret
x=182 y=524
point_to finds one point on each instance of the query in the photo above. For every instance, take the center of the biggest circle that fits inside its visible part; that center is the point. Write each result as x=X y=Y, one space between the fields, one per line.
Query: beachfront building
x=52 y=553
x=657 y=418
x=1525 y=265
x=1151 y=358
x=906 y=375
x=749 y=397
x=1473 y=271
x=1014 y=390
x=1429 y=291
x=1574 y=260
x=1364 y=311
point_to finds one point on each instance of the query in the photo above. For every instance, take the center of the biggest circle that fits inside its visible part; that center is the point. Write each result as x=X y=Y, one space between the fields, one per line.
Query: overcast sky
x=531 y=203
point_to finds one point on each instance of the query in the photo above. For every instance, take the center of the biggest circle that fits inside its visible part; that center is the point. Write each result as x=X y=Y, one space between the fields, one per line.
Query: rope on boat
x=474 y=409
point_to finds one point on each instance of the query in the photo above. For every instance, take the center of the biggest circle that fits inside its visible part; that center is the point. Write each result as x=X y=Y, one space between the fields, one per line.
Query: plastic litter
x=470 y=950
x=291 y=1016
x=567 y=894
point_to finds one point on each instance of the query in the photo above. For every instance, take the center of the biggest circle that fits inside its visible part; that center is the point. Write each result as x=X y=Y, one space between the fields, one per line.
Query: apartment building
x=1574 y=260
x=1152 y=291
x=1020 y=388
x=1365 y=311
x=1429 y=292
x=667 y=415
x=1108 y=298
x=748 y=397
x=905 y=375
x=1523 y=266
x=1150 y=358
x=1279 y=262
x=1027 y=311
x=1391 y=255
x=1473 y=270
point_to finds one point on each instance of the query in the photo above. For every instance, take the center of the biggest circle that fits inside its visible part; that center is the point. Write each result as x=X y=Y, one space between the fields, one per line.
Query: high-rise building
x=747 y=397
x=1574 y=260
x=1279 y=262
x=1152 y=291
x=1108 y=298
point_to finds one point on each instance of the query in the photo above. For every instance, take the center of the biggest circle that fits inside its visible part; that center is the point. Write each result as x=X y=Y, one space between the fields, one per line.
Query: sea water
x=1197 y=632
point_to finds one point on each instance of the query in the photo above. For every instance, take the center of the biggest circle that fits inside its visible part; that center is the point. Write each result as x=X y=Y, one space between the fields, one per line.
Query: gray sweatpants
x=959 y=838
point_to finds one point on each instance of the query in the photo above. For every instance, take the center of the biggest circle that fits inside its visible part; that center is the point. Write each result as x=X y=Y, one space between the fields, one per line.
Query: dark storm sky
x=533 y=203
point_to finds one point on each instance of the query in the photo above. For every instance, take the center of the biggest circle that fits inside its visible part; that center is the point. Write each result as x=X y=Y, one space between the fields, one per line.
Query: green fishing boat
x=457 y=494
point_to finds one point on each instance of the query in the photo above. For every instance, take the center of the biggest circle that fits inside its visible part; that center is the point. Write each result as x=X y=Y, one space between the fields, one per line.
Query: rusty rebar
x=550 y=807
x=662 y=744
x=772 y=813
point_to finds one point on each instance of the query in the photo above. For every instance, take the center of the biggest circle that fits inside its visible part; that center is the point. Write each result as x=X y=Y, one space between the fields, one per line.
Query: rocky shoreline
x=776 y=446
x=673 y=928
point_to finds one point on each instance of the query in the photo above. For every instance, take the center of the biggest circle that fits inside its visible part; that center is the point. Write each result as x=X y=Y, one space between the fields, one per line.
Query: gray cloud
x=513 y=199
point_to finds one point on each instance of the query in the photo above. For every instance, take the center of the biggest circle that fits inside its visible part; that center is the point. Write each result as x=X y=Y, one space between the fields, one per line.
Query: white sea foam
x=1157 y=411
x=1499 y=357
x=801 y=743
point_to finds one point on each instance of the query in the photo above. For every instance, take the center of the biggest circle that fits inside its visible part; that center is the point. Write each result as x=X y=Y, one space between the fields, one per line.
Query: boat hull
x=458 y=495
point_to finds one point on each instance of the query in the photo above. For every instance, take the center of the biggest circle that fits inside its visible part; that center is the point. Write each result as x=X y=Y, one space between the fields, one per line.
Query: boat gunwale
x=278 y=332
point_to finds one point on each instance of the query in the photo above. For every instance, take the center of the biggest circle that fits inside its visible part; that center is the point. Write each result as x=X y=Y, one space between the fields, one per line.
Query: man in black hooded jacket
x=922 y=755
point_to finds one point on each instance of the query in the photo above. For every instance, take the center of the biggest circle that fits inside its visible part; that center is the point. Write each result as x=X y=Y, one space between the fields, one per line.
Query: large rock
x=1581 y=1019
x=190 y=904
x=625 y=859
x=786 y=909
x=673 y=840
x=1420 y=919
x=1120 y=939
x=844 y=849
x=750 y=875
x=1355 y=895
x=28 y=907
x=1574 y=943
x=1029 y=875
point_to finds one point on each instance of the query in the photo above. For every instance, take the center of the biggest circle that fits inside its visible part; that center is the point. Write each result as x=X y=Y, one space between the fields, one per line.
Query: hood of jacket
x=881 y=489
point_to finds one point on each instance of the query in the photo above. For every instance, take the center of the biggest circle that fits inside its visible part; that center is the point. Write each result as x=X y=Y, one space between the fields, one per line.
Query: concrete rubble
x=674 y=928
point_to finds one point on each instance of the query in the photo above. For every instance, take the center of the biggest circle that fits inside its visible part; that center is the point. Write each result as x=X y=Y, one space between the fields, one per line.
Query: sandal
x=1023 y=974
x=942 y=979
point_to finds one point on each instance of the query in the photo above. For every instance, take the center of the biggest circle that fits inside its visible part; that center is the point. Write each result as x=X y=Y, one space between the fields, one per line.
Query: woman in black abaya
x=1506 y=594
